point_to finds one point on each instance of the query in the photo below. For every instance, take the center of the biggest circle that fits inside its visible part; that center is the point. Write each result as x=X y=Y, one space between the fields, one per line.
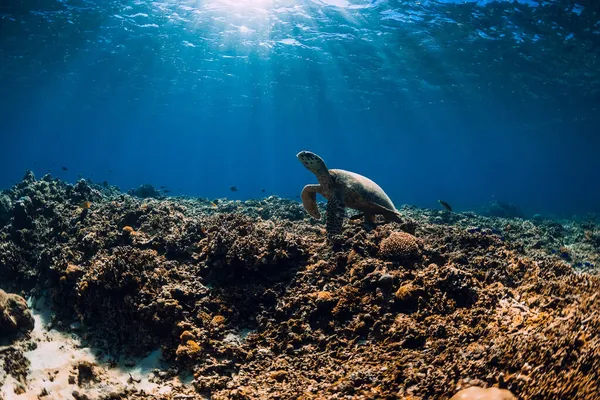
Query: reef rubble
x=247 y=300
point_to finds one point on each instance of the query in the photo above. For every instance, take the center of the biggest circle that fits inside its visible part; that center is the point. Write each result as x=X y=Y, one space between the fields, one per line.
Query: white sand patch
x=57 y=356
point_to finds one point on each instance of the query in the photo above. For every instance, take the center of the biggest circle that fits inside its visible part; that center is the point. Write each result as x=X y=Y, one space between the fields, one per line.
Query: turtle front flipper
x=393 y=216
x=335 y=216
x=309 y=200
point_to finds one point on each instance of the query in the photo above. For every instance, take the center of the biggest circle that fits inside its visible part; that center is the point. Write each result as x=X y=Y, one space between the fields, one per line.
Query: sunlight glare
x=245 y=30
x=245 y=4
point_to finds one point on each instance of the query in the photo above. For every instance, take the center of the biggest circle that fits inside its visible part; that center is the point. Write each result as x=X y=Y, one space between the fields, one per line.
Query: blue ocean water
x=463 y=101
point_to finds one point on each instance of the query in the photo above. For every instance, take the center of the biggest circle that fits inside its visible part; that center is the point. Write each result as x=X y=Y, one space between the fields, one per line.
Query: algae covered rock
x=15 y=317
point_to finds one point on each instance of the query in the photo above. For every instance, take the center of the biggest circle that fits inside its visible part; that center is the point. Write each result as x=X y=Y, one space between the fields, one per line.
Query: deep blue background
x=447 y=121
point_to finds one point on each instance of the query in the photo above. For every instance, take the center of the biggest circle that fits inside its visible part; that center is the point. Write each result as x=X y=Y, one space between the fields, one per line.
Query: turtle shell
x=361 y=193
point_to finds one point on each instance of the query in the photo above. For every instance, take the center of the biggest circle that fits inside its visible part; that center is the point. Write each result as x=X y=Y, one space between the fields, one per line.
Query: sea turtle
x=343 y=189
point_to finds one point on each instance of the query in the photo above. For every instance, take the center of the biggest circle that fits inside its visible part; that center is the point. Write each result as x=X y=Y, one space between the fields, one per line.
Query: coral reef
x=250 y=299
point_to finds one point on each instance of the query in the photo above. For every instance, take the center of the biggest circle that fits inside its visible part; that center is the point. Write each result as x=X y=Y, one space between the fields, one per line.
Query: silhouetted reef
x=250 y=298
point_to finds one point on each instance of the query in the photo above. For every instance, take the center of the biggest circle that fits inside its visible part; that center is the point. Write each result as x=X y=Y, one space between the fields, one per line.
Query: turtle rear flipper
x=368 y=218
x=334 y=216
x=389 y=215
x=393 y=216
x=309 y=200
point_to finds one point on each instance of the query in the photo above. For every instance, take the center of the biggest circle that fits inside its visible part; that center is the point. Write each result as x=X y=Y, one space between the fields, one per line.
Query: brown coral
x=189 y=350
x=400 y=246
x=408 y=294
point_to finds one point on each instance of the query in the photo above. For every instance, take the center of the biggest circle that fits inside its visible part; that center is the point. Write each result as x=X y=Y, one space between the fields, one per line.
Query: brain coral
x=400 y=246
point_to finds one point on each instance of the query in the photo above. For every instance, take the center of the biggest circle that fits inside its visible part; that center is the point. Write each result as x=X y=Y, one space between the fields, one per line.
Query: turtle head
x=313 y=163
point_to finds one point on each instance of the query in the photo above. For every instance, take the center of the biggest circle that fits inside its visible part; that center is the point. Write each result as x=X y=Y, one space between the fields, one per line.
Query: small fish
x=85 y=204
x=65 y=168
x=213 y=204
x=166 y=191
x=445 y=205
x=163 y=187
x=234 y=188
x=263 y=190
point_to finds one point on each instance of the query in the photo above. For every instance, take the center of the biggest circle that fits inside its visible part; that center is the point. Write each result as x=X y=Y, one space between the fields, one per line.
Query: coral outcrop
x=15 y=317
